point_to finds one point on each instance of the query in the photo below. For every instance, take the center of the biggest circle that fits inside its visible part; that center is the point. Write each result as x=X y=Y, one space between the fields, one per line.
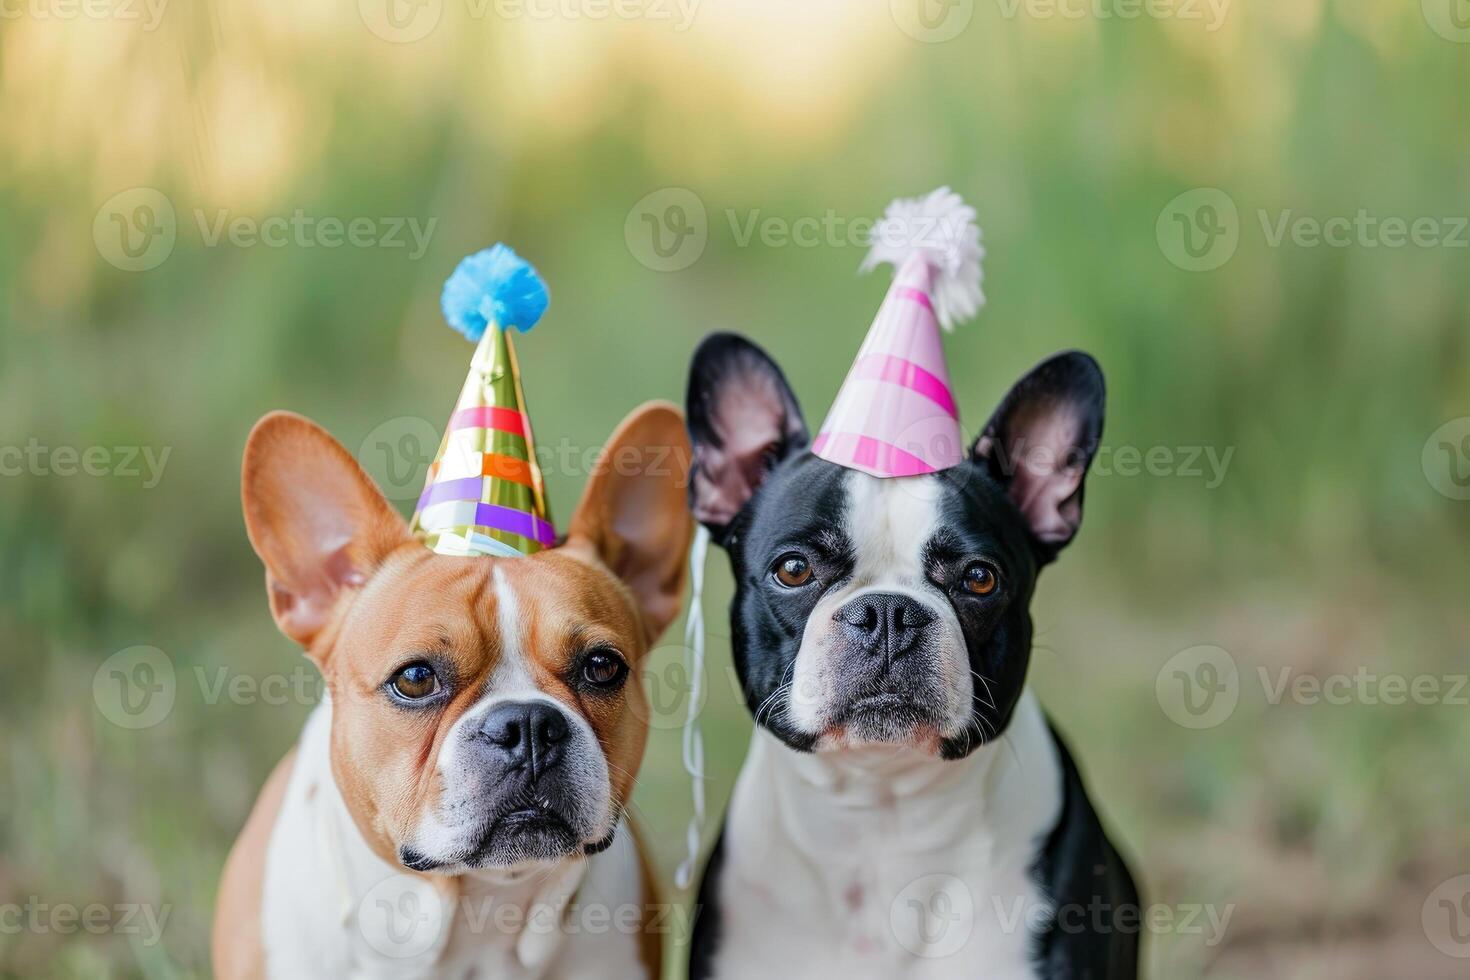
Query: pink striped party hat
x=896 y=414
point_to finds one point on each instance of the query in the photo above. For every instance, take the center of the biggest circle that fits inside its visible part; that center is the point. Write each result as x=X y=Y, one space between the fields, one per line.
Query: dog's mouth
x=884 y=717
x=529 y=832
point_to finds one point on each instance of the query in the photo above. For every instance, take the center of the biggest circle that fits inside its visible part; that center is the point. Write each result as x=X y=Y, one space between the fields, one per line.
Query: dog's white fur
x=853 y=845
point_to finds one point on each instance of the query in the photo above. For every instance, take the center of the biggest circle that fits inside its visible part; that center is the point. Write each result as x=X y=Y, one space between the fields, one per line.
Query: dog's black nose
x=528 y=734
x=884 y=623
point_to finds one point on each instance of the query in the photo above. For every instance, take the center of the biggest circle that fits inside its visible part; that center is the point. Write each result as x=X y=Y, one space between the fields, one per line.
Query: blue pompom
x=493 y=286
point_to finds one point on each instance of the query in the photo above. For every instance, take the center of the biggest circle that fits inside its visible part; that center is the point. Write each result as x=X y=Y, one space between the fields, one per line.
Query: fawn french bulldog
x=905 y=809
x=459 y=793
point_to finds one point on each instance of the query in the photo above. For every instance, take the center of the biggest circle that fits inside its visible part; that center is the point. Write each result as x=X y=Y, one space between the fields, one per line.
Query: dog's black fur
x=761 y=492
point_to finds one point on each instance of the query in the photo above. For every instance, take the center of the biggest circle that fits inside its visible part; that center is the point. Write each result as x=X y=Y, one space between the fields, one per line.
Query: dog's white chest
x=333 y=908
x=923 y=875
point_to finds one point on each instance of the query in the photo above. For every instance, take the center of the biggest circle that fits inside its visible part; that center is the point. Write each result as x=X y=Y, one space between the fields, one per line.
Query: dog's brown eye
x=415 y=682
x=980 y=579
x=603 y=669
x=793 y=570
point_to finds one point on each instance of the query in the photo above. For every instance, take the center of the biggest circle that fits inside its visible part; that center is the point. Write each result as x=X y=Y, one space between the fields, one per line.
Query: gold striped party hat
x=485 y=494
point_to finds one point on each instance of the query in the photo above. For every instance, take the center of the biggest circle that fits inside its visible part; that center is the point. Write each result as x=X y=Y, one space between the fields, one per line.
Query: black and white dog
x=905 y=809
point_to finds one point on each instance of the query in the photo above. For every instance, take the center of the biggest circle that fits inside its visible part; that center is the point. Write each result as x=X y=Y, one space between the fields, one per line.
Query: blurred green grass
x=1324 y=549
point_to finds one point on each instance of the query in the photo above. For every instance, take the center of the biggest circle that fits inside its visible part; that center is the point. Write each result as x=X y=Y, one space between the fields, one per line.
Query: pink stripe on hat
x=870 y=455
x=907 y=374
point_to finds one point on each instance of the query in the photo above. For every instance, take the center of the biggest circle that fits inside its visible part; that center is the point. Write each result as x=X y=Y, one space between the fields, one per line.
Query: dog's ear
x=1041 y=440
x=632 y=514
x=743 y=419
x=315 y=519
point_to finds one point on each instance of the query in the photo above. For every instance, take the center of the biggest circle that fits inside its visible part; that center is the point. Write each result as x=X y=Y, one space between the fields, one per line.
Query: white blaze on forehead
x=511 y=675
x=888 y=521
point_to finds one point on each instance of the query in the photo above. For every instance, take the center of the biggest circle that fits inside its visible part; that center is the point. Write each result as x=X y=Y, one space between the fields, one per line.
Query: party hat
x=484 y=494
x=896 y=414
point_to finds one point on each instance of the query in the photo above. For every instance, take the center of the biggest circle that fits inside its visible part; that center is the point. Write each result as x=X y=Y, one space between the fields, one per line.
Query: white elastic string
x=694 y=671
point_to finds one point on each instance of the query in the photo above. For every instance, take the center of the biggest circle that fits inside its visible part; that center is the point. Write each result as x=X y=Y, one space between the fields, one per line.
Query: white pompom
x=940 y=227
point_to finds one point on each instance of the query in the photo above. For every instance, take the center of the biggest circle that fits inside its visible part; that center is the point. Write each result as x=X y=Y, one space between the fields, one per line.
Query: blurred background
x=1253 y=212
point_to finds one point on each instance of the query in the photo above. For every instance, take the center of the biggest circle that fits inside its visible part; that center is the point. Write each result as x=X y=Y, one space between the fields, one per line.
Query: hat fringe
x=940 y=229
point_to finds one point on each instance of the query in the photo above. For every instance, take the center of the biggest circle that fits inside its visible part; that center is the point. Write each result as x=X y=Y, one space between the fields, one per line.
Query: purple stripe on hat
x=917 y=295
x=907 y=374
x=457 y=514
x=515 y=522
x=466 y=488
